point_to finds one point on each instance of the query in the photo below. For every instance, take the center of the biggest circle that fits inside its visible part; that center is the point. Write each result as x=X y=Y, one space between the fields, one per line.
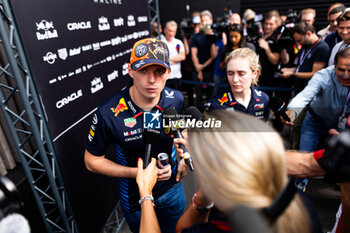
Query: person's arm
x=186 y=46
x=195 y=60
x=345 y=200
x=308 y=75
x=272 y=56
x=193 y=215
x=181 y=56
x=284 y=56
x=146 y=179
x=301 y=165
x=101 y=165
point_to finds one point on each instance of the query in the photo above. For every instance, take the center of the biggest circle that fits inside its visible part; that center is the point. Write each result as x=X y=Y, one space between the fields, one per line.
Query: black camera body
x=336 y=158
x=255 y=30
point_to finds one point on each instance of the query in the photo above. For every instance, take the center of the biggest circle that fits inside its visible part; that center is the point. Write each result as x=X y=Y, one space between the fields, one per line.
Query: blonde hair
x=243 y=163
x=252 y=57
x=308 y=11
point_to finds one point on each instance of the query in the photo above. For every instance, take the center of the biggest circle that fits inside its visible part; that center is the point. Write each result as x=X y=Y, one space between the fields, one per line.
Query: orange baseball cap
x=149 y=51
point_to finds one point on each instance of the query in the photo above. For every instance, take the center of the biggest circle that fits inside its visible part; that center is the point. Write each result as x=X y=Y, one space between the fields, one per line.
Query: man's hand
x=287 y=72
x=181 y=170
x=263 y=44
x=164 y=172
x=292 y=115
x=146 y=178
x=199 y=67
x=200 y=76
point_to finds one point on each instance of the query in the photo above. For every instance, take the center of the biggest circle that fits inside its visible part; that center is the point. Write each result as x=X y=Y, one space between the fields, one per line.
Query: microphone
x=178 y=48
x=170 y=115
x=150 y=137
x=278 y=106
x=193 y=112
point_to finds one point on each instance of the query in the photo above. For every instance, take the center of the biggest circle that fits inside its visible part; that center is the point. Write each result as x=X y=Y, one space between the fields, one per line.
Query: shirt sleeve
x=322 y=54
x=310 y=91
x=99 y=137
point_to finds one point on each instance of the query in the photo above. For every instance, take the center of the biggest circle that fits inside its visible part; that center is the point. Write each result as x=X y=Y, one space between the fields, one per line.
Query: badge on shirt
x=152 y=120
x=130 y=122
x=120 y=107
x=223 y=99
x=342 y=123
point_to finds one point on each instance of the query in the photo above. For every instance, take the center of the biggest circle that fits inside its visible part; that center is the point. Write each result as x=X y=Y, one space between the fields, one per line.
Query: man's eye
x=161 y=71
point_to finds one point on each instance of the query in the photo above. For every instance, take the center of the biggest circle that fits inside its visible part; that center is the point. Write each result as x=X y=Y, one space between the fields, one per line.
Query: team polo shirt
x=119 y=122
x=258 y=104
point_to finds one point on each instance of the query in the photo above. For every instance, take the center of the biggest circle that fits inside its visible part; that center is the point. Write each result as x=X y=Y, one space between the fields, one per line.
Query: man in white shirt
x=334 y=11
x=344 y=32
x=176 y=54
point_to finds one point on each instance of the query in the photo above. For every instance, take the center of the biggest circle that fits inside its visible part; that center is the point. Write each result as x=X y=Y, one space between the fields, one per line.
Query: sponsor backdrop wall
x=78 y=53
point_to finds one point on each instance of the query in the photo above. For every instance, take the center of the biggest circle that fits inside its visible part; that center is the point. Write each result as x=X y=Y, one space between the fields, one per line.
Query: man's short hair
x=308 y=11
x=344 y=17
x=337 y=10
x=302 y=28
x=207 y=13
x=343 y=53
x=170 y=23
x=271 y=14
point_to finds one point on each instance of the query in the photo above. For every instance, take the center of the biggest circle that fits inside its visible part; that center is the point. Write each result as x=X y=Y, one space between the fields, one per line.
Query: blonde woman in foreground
x=242 y=163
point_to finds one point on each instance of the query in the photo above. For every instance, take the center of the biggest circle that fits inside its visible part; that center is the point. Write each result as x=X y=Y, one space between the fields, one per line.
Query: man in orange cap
x=121 y=121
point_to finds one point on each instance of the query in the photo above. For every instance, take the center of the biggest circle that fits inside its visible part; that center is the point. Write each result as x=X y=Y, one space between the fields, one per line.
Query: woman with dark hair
x=236 y=40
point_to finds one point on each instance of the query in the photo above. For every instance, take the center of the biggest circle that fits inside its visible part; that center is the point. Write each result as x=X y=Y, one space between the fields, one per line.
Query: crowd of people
x=244 y=162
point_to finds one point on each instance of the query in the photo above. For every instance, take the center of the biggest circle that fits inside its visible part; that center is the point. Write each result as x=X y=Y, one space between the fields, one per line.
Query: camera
x=186 y=28
x=254 y=29
x=336 y=158
x=286 y=30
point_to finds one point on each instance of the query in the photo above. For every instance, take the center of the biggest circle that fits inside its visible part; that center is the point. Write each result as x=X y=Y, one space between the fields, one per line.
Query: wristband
x=199 y=207
x=147 y=197
x=318 y=154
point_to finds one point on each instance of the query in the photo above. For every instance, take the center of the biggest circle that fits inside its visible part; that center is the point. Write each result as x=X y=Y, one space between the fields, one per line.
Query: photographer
x=203 y=55
x=268 y=51
x=312 y=57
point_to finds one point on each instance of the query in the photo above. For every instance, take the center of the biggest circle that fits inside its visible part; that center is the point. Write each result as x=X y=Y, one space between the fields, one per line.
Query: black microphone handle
x=147 y=155
x=187 y=156
x=285 y=116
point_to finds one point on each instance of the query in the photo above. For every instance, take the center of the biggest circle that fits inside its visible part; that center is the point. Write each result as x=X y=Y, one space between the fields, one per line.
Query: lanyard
x=303 y=56
x=346 y=106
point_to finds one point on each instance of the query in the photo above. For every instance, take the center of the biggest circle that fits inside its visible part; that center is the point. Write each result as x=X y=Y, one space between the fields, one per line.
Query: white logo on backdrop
x=86 y=47
x=103 y=24
x=68 y=99
x=125 y=69
x=131 y=21
x=116 y=2
x=96 y=85
x=47 y=30
x=112 y=75
x=118 y=22
x=62 y=53
x=142 y=19
x=74 y=51
x=78 y=26
x=50 y=57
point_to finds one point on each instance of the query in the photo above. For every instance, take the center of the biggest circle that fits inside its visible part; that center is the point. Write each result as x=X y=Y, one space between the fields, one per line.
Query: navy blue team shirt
x=119 y=122
x=258 y=104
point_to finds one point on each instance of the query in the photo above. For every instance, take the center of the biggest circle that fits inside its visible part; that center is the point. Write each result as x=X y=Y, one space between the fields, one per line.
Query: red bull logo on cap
x=120 y=107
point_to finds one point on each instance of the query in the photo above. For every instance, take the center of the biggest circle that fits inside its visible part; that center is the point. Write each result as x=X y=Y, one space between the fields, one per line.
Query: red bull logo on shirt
x=120 y=107
x=224 y=99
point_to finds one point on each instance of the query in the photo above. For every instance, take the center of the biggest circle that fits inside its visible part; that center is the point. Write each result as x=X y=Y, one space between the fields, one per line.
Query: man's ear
x=130 y=71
